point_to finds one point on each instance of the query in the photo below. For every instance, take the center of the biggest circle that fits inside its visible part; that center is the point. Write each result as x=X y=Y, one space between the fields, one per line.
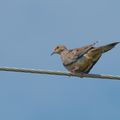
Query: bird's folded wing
x=79 y=52
x=76 y=54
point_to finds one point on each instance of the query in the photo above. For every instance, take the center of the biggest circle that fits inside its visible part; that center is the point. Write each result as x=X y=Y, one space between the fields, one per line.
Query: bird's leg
x=82 y=74
x=73 y=71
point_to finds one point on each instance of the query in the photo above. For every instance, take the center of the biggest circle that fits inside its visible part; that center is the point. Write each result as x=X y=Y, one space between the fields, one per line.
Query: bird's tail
x=108 y=47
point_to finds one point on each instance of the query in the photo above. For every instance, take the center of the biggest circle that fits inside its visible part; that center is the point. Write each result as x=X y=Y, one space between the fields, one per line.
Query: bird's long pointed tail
x=108 y=47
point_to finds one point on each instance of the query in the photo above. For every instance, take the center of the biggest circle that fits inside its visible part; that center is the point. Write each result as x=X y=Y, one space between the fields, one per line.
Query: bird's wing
x=90 y=67
x=77 y=53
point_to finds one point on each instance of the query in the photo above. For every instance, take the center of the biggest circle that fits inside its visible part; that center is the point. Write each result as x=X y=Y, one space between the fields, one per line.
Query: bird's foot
x=81 y=74
x=73 y=71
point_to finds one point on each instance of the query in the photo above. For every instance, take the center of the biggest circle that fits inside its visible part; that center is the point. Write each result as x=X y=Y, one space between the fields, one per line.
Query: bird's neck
x=65 y=51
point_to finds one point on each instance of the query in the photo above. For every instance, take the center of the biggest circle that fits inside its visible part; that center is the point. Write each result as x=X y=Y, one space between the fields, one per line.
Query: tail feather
x=108 y=47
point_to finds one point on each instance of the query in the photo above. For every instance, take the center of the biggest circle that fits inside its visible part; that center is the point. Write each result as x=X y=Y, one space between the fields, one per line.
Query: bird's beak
x=52 y=53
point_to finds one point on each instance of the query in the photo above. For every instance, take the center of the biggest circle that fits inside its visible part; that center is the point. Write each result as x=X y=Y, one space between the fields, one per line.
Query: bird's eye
x=57 y=47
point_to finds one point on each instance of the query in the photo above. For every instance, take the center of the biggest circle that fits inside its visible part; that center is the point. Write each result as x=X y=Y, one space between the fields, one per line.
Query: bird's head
x=58 y=49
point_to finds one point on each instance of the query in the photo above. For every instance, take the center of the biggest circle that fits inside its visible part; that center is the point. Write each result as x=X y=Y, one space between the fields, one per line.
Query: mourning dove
x=81 y=60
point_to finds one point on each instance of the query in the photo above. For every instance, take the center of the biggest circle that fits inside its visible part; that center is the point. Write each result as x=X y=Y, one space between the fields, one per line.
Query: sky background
x=29 y=30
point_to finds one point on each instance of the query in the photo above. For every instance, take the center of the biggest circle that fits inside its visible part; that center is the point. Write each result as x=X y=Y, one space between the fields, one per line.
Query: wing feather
x=77 y=53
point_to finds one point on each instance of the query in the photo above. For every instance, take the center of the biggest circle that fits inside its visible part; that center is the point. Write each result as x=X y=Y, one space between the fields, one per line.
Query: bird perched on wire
x=81 y=60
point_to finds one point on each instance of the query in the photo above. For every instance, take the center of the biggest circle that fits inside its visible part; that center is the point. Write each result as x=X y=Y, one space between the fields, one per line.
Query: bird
x=81 y=60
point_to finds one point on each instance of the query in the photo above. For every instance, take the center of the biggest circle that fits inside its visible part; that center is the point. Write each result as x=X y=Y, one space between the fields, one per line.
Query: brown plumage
x=82 y=59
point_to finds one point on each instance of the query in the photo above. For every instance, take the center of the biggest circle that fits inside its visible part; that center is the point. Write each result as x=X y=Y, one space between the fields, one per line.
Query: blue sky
x=30 y=29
